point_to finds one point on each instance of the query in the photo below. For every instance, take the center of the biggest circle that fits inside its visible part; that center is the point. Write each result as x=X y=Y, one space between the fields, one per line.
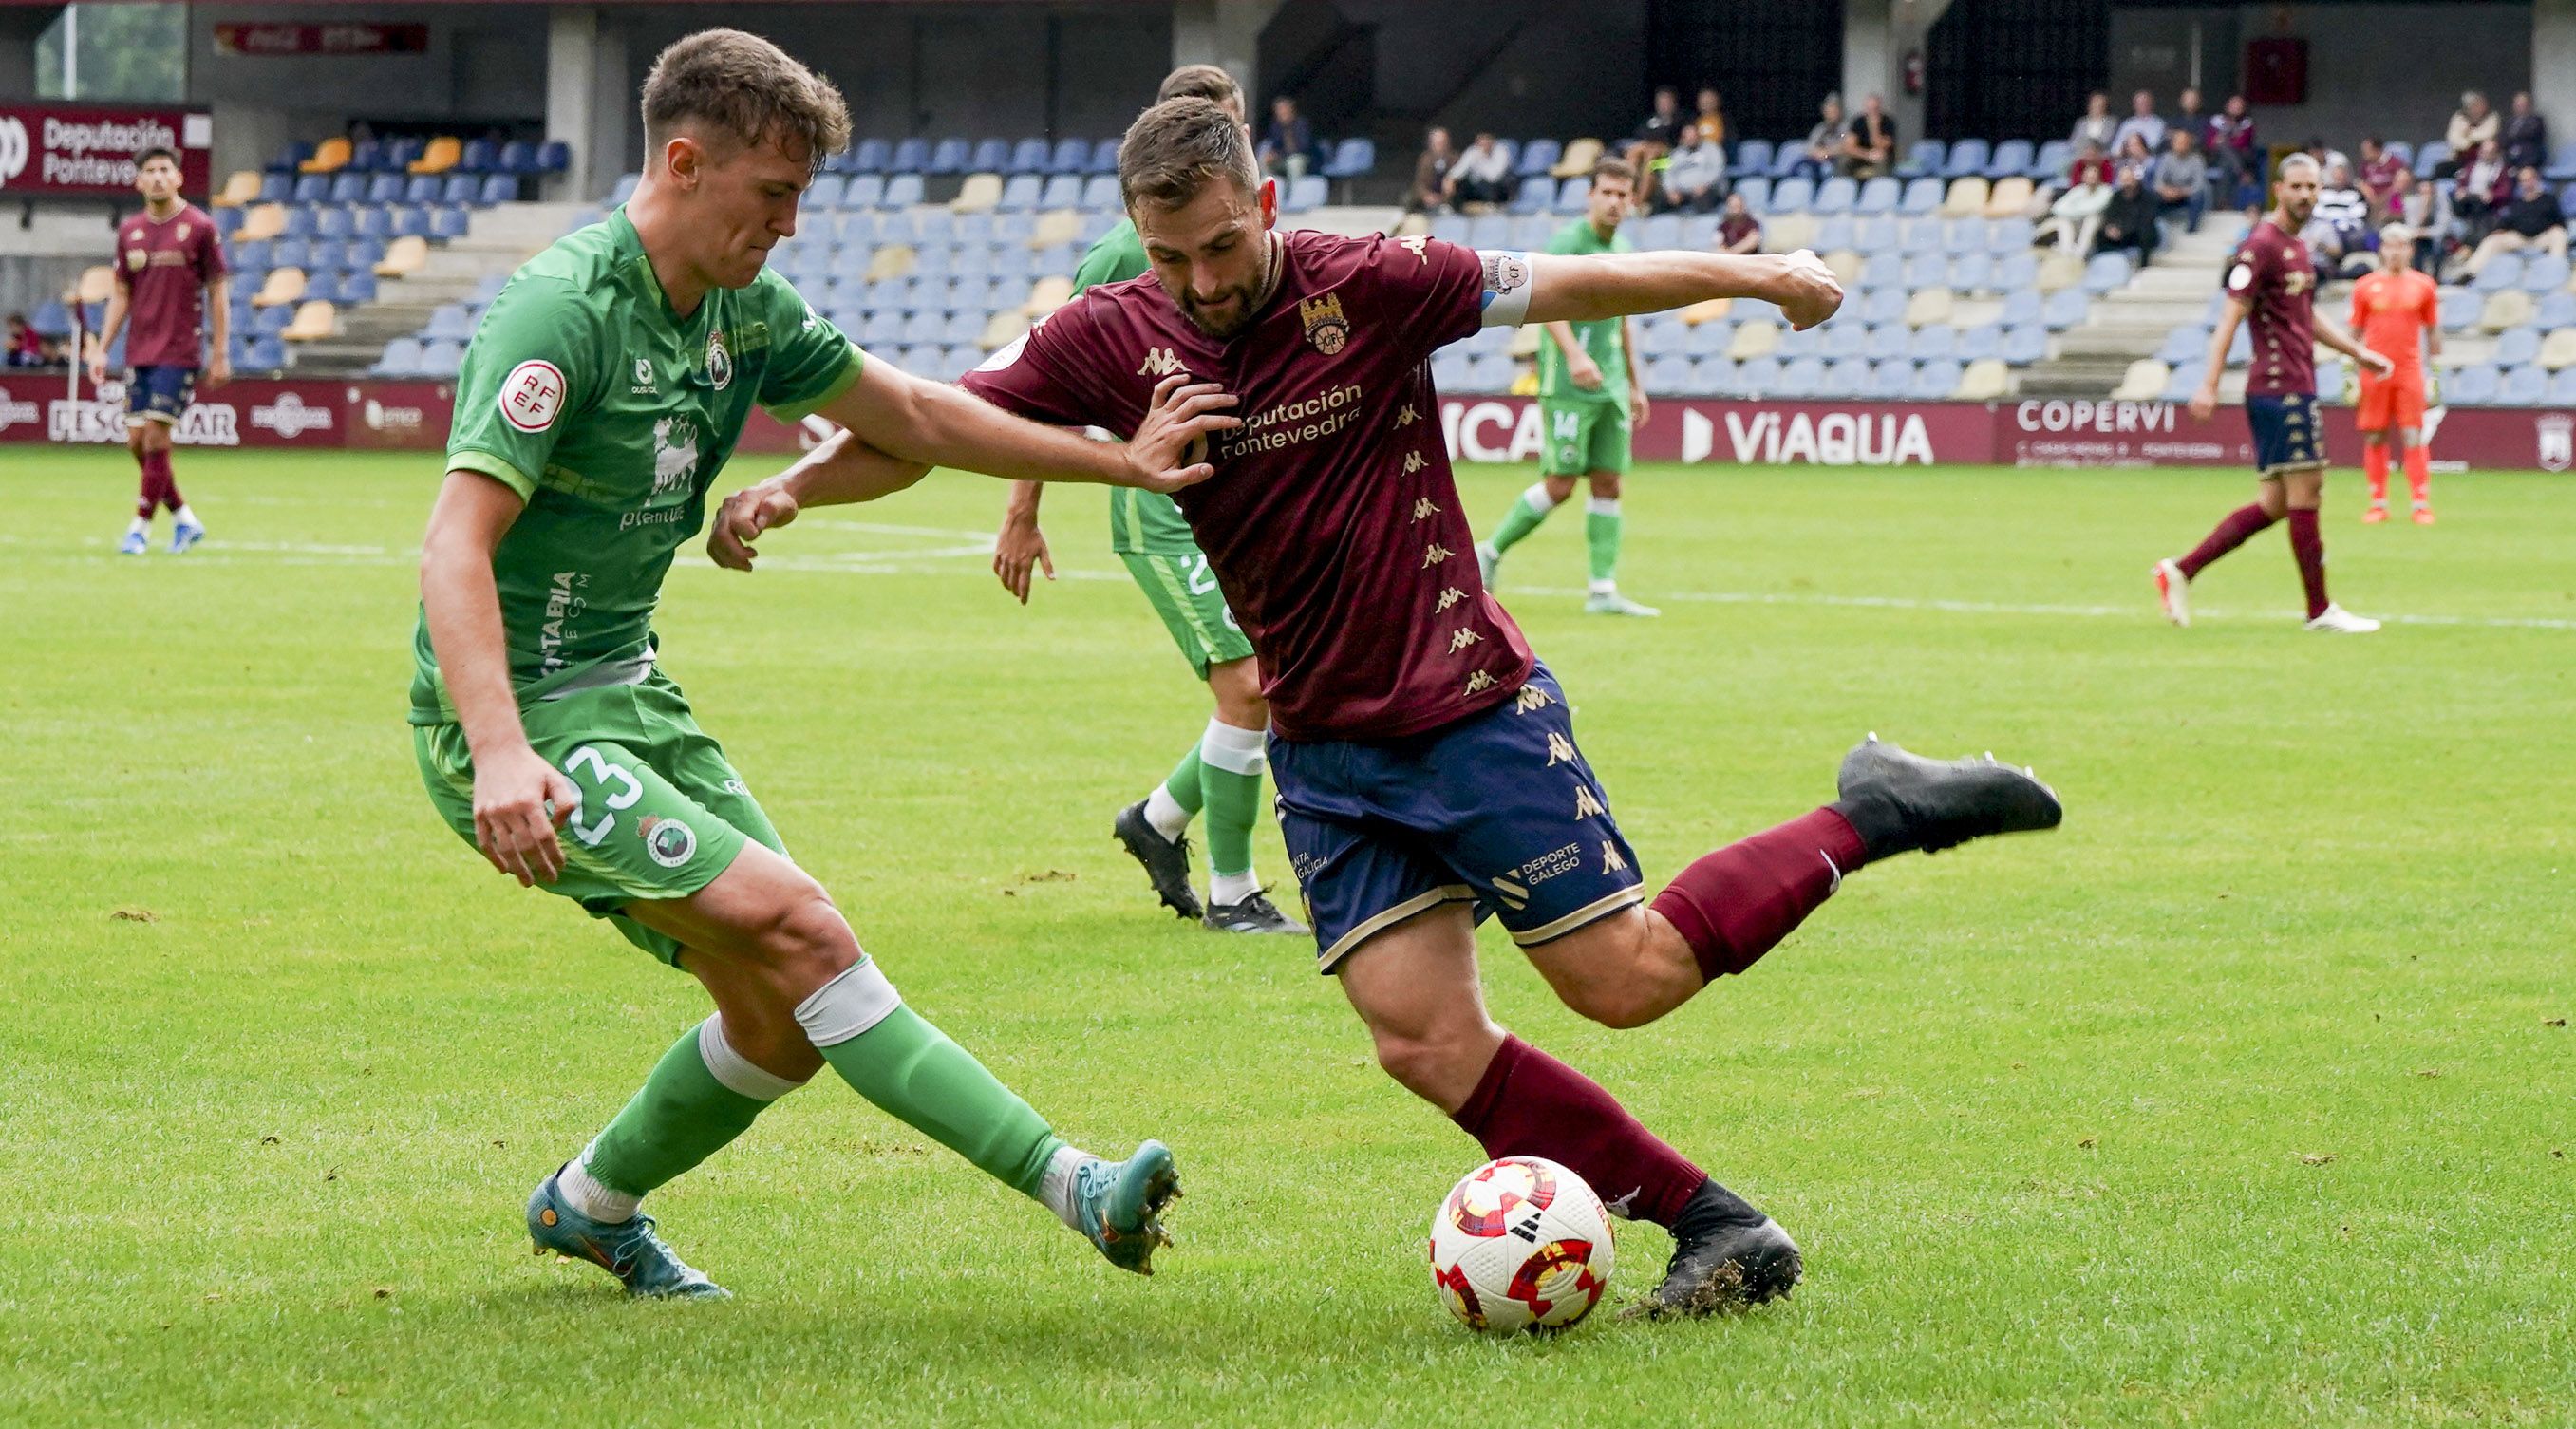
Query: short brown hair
x=1174 y=148
x=1610 y=166
x=745 y=89
x=1208 y=82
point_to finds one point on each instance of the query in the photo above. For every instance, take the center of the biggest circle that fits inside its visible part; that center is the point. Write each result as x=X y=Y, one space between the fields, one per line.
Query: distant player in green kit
x=1222 y=772
x=1589 y=399
x=603 y=392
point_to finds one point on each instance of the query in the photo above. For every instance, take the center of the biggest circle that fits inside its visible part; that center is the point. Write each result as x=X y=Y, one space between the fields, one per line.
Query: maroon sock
x=2239 y=526
x=1733 y=905
x=168 y=482
x=2309 y=549
x=1530 y=1104
x=147 y=496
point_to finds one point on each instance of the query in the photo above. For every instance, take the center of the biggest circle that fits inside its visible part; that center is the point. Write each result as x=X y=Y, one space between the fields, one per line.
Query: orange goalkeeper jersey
x=2390 y=314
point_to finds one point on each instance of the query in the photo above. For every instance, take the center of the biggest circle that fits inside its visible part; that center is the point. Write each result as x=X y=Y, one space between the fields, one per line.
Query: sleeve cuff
x=496 y=467
x=797 y=411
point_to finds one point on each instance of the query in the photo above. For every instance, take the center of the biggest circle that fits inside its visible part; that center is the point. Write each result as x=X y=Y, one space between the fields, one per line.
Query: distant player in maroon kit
x=170 y=280
x=1425 y=760
x=2273 y=280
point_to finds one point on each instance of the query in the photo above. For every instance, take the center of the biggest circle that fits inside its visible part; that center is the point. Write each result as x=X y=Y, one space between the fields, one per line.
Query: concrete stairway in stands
x=2132 y=321
x=498 y=241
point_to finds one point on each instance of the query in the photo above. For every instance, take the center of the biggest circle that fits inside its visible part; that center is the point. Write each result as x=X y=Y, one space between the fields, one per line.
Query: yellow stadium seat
x=1754 y=339
x=980 y=193
x=892 y=260
x=1966 y=199
x=313 y=319
x=1707 y=310
x=1062 y=225
x=2558 y=350
x=1524 y=343
x=2059 y=269
x=1986 y=380
x=2506 y=310
x=1788 y=233
x=1846 y=265
x=441 y=155
x=266 y=220
x=1928 y=306
x=1525 y=380
x=241 y=188
x=329 y=157
x=1577 y=160
x=2009 y=198
x=2144 y=381
x=1048 y=294
x=1412 y=225
x=1004 y=328
x=284 y=285
x=404 y=257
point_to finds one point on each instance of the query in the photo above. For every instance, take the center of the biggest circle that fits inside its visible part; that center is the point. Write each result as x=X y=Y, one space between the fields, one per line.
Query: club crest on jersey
x=719 y=361
x=180 y=231
x=1326 y=328
x=135 y=258
x=1161 y=362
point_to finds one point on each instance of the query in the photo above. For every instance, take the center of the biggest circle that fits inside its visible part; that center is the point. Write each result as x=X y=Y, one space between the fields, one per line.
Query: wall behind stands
x=2390 y=69
x=1517 y=67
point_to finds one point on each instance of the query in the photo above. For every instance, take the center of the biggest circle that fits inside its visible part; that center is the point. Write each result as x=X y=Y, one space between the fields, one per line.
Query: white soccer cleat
x=2335 y=620
x=2173 y=588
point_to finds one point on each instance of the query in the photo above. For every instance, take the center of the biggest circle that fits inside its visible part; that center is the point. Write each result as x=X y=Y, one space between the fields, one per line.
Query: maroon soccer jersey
x=1333 y=522
x=2273 y=272
x=164 y=267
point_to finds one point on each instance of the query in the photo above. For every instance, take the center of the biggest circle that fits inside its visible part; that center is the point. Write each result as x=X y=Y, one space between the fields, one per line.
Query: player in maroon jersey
x=1425 y=760
x=2272 y=281
x=170 y=281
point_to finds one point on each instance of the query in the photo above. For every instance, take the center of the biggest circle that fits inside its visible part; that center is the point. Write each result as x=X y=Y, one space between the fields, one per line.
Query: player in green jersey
x=1222 y=772
x=603 y=391
x=1589 y=398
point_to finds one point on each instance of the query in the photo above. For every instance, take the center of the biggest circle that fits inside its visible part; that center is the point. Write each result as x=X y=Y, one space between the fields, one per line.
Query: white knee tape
x=848 y=1005
x=735 y=1071
x=1539 y=499
x=1236 y=751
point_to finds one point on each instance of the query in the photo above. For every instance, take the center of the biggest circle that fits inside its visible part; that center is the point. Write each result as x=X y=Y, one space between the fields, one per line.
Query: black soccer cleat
x=1167 y=861
x=1255 y=914
x=1898 y=802
x=1726 y=1256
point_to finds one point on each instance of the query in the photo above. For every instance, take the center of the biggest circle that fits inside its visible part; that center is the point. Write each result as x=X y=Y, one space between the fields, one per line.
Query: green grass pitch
x=2242 y=1099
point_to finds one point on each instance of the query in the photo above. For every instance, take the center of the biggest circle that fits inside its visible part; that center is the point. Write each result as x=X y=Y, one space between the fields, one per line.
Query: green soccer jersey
x=1600 y=339
x=1141 y=523
x=609 y=415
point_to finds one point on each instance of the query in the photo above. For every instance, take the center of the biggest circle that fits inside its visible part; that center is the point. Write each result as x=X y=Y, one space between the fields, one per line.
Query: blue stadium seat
x=2183 y=381
x=481 y=156
x=2556 y=310
x=1933 y=340
x=1796 y=343
x=386 y=188
x=910 y=156
x=358 y=286
x=1450 y=228
x=992 y=156
x=1934 y=381
x=2065 y=308
x=1100 y=194
x=1708 y=339
x=2008 y=236
x=519 y=157
x=2433 y=155
x=265 y=353
x=862 y=192
x=498 y=188
x=2515 y=347
x=1875 y=235
x=926 y=326
x=1020 y=193
x=2567 y=202
x=1880 y=305
x=290 y=154
x=1802 y=377
x=227 y=221
x=1061 y=191
x=1890 y=380
x=1663 y=335
x=2544 y=273
x=2183 y=344
x=449 y=321
x=1752 y=157
x=949 y=156
x=1029 y=156
x=1835 y=232
x=402 y=153
x=902 y=190
x=401 y=358
x=2015 y=272
x=1847 y=378
x=966 y=326
x=1918 y=235
x=1537 y=157
x=1757 y=377
x=440 y=359
x=1573 y=196
x=1834 y=195
x=1926 y=270
x=867 y=156
x=277 y=188
x=1306 y=194
x=1972 y=273
x=410 y=220
x=2502 y=271
x=2106 y=272
x=312 y=188
x=2459 y=308
x=1664 y=230
x=1531 y=233
x=1790 y=196
x=1846 y=339
x=366 y=156
x=2052 y=161
x=1668 y=374
x=1706 y=379
x=2026 y=343
x=448 y=222
x=1493 y=373
x=2562 y=163
x=423 y=188
x=1489 y=230
x=1069 y=156
x=1967 y=157
x=1963 y=235
x=2562 y=388
x=554 y=157
x=1922 y=197
x=269 y=322
x=462 y=188
x=825 y=192
x=289 y=252
x=1353 y=158
x=1104 y=157
x=2477 y=386
x=1756 y=191
x=1925 y=158
x=2011 y=157
x=1981 y=342
x=1878 y=196
x=1059 y=260
x=323 y=286
x=1537 y=195
x=884 y=328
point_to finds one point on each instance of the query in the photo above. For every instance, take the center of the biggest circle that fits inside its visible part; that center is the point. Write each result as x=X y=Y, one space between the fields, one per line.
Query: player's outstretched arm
x=1567 y=287
x=906 y=417
x=518 y=797
x=2333 y=335
x=840 y=470
x=1020 y=546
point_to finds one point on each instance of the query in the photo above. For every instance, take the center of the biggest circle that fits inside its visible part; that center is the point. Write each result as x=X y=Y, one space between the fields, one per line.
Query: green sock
x=911 y=1069
x=1601 y=525
x=682 y=1116
x=1230 y=764
x=1523 y=518
x=1183 y=783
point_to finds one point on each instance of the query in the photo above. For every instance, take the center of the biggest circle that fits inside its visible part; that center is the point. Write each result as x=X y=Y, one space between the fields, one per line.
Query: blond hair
x=740 y=87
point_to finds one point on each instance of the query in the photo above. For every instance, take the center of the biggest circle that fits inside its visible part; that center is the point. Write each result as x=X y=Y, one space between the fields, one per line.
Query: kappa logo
x=1611 y=862
x=1413 y=462
x=1461 y=638
x=1418 y=246
x=1479 y=682
x=1326 y=328
x=1531 y=697
x=1434 y=554
x=1408 y=416
x=1161 y=362
x=1449 y=596
x=1586 y=804
x=1560 y=750
x=1425 y=508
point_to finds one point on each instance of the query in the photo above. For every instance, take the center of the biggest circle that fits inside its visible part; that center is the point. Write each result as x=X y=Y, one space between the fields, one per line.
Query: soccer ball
x=1520 y=1244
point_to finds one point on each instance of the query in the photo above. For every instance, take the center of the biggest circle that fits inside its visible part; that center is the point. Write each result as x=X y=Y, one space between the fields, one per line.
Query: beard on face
x=1239 y=301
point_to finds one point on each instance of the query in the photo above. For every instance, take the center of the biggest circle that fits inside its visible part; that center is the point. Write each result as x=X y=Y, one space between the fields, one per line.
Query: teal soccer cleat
x=627 y=1249
x=1120 y=1204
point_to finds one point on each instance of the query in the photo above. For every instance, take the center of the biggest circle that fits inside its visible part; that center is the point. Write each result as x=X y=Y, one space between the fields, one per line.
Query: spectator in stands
x=2326 y=155
x=2129 y=220
x=1711 y=121
x=1869 y=145
x=2189 y=115
x=2133 y=157
x=1694 y=178
x=1738 y=231
x=2339 y=232
x=2143 y=121
x=2473 y=125
x=2229 y=147
x=2383 y=178
x=2097 y=127
x=2426 y=209
x=1431 y=174
x=2076 y=215
x=1482 y=175
x=2480 y=186
x=25 y=348
x=2529 y=219
x=1824 y=142
x=1661 y=127
x=1288 y=146
x=2181 y=178
x=2526 y=134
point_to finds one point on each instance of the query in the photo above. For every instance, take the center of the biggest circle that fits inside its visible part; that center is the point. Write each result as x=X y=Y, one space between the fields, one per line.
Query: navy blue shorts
x=2286 y=436
x=160 y=394
x=1498 y=808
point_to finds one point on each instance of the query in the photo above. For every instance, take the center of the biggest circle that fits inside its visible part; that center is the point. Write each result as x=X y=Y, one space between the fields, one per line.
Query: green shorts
x=1583 y=437
x=662 y=812
x=1183 y=591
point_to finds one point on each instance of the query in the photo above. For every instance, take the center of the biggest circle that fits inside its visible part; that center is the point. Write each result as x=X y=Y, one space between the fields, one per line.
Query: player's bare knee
x=1432 y=1060
x=1559 y=488
x=1605 y=485
x=808 y=943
